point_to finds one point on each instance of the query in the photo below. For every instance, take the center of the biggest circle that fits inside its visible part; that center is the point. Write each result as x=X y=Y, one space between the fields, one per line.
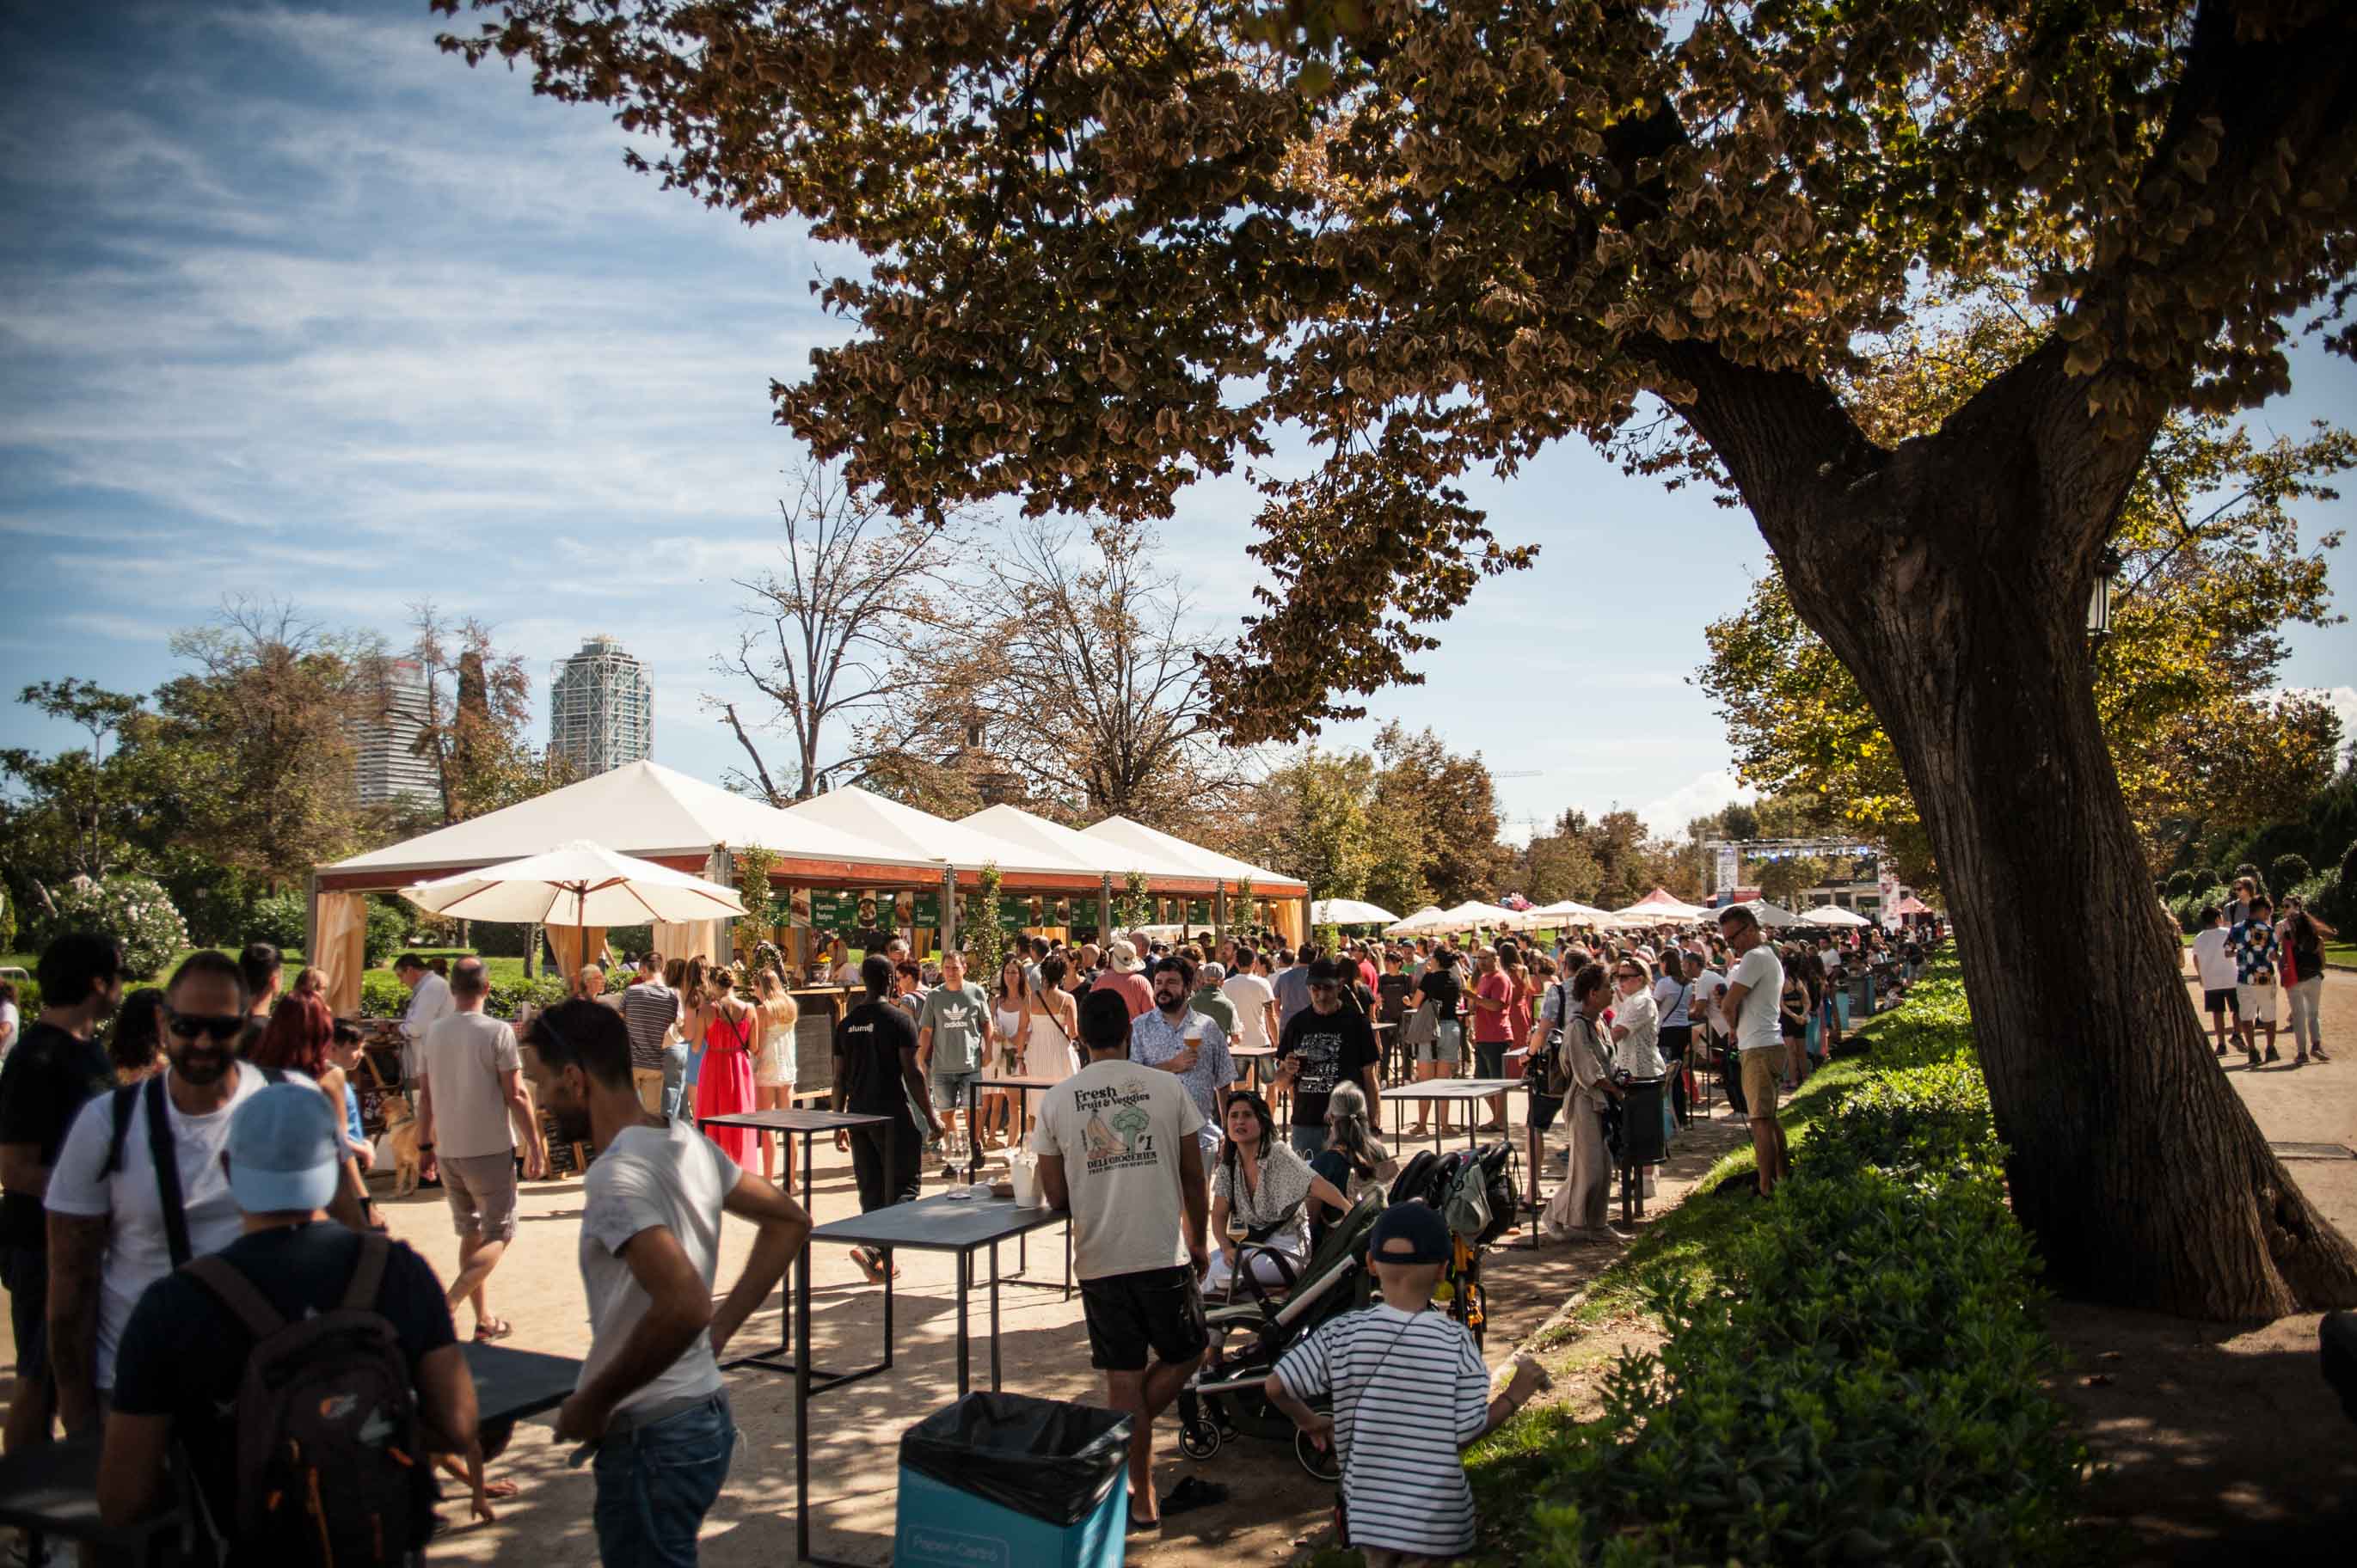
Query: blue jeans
x=1307 y=1142
x=674 y=1080
x=656 y=1483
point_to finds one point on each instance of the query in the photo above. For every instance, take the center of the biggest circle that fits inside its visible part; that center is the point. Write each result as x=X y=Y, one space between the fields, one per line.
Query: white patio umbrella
x=1834 y=915
x=1775 y=916
x=1423 y=920
x=579 y=884
x=1472 y=913
x=1348 y=912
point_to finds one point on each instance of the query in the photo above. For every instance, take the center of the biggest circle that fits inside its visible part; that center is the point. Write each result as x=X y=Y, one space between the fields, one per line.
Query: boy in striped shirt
x=1409 y=1393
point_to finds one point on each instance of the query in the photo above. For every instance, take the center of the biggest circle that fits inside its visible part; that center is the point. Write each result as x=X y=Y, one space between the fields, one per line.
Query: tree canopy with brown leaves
x=1115 y=245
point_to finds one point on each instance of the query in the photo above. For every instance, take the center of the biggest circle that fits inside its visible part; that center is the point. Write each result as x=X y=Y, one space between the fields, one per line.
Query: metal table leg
x=994 y=1318
x=801 y=1405
x=964 y=1284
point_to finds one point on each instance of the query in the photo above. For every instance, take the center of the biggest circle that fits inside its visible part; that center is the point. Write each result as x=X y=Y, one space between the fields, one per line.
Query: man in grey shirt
x=1292 y=984
x=948 y=1045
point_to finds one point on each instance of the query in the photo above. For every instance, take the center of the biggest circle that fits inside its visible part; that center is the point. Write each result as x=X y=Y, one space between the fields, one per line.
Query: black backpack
x=330 y=1467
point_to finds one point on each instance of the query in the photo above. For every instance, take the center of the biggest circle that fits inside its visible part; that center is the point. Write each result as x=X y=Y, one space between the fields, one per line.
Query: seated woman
x=1263 y=1187
x=1354 y=1161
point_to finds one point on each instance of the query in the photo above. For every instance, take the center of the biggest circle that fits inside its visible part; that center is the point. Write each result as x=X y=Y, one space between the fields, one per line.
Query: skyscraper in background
x=601 y=708
x=390 y=767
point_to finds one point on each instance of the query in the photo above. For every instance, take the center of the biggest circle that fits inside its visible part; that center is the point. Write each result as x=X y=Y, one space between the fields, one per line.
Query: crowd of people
x=1204 y=1111
x=2256 y=964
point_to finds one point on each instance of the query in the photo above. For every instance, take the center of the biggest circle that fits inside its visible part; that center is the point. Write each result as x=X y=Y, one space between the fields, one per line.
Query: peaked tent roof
x=1661 y=905
x=1138 y=836
x=908 y=831
x=643 y=809
x=1020 y=828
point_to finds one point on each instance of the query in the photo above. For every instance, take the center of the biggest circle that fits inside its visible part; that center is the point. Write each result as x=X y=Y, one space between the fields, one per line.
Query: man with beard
x=1326 y=1044
x=139 y=1187
x=649 y=1396
x=56 y=1069
x=1179 y=1038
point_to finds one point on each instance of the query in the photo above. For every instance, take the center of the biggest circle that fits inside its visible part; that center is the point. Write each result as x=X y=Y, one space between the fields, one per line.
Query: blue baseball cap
x=285 y=1151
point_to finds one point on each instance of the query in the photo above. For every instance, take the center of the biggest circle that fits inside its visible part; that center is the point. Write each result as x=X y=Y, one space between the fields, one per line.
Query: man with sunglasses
x=1326 y=1044
x=119 y=1219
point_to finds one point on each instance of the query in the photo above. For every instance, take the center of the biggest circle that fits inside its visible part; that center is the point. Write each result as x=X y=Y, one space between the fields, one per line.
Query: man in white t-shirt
x=2214 y=963
x=1255 y=1001
x=1118 y=1150
x=649 y=1396
x=117 y=1223
x=470 y=1111
x=1749 y=1012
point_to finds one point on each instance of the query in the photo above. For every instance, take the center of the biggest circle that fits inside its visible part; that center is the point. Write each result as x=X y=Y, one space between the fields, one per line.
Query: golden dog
x=400 y=1130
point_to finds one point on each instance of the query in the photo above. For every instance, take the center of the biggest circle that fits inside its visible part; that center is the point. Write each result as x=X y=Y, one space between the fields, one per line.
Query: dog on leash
x=401 y=1132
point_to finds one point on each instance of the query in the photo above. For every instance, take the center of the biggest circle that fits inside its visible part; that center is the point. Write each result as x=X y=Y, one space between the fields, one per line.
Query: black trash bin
x=1007 y=1481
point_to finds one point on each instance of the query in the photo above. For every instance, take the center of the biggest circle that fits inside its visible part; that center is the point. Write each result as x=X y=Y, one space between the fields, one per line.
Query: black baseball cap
x=1416 y=1223
x=1325 y=972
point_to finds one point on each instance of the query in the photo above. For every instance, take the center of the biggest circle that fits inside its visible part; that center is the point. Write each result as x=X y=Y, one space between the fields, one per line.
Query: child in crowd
x=1409 y=1393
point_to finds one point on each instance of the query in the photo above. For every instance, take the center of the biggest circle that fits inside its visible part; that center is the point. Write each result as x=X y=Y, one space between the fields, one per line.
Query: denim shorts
x=950 y=1089
x=655 y=1484
x=1448 y=1047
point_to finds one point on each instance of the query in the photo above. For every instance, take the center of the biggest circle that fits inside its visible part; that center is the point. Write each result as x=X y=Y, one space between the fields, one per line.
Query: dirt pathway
x=2222 y=1443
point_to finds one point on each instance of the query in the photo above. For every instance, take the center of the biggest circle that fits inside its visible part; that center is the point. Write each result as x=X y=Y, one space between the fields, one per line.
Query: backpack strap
x=367 y=1274
x=238 y=1293
x=167 y=1172
x=124 y=1097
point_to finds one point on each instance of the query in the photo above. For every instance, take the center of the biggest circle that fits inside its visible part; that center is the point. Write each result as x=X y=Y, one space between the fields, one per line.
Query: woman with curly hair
x=135 y=1045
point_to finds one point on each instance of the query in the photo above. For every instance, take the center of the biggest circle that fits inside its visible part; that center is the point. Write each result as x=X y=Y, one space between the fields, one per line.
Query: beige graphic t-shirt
x=1119 y=1128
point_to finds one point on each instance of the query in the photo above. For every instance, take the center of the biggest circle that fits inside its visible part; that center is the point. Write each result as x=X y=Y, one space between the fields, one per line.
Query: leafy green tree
x=1309 y=820
x=1108 y=247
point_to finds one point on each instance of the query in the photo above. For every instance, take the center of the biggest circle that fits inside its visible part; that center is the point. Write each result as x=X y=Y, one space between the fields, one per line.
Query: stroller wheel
x=1323 y=1463
x=1199 y=1439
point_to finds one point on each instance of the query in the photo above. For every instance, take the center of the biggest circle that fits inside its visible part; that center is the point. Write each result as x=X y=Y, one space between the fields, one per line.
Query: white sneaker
x=1649 y=1183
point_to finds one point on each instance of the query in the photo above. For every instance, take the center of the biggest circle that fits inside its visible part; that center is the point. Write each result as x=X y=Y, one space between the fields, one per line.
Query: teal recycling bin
x=1007 y=1481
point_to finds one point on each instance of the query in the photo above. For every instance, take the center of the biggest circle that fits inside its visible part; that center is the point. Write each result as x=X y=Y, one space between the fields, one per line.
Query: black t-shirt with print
x=1334 y=1048
x=49 y=1077
x=869 y=1041
x=1392 y=996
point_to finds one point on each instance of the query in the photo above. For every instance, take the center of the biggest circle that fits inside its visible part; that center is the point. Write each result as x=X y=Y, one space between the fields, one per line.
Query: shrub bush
x=2180 y=884
x=134 y=910
x=388 y=929
x=1857 y=1380
x=2287 y=872
x=282 y=919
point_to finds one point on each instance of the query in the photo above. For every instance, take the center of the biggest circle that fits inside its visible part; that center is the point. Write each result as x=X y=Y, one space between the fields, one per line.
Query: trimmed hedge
x=1855 y=1377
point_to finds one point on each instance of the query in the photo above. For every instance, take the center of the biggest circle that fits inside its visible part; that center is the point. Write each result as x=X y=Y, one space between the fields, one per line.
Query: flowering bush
x=133 y=910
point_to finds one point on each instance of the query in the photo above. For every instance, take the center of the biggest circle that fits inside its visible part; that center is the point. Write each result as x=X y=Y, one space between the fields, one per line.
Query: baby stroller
x=1474 y=1190
x=1223 y=1399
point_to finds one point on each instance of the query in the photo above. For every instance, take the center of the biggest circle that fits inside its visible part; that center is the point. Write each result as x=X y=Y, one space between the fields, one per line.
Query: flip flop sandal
x=1142 y=1526
x=497 y=1329
x=1193 y=1493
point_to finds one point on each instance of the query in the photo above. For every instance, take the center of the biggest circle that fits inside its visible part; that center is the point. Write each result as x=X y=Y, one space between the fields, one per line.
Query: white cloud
x=1704 y=793
x=2343 y=700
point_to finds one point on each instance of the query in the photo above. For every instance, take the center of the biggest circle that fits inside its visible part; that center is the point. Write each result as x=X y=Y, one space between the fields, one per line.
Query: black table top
x=512 y=1383
x=54 y=1488
x=939 y=1224
x=792 y=1120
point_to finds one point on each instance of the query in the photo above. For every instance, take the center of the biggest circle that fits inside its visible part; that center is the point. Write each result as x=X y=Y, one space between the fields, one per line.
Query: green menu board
x=929 y=911
x=1083 y=911
x=849 y=912
x=1199 y=911
x=1014 y=911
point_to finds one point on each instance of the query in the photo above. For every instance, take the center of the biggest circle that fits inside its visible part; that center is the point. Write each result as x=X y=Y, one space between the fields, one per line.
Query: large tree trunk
x=1951 y=577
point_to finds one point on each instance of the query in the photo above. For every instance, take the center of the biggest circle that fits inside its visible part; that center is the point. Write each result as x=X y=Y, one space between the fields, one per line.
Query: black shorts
x=1489 y=1057
x=1675 y=1039
x=1156 y=1310
x=2224 y=1000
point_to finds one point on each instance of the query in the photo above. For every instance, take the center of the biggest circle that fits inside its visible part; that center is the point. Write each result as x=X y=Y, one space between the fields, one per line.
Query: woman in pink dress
x=731 y=1027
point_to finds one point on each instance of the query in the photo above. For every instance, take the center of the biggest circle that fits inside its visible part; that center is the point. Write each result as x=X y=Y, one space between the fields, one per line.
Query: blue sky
x=291 y=304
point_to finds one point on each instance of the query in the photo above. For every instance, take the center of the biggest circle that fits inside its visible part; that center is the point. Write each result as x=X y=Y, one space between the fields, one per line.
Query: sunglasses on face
x=189 y=1025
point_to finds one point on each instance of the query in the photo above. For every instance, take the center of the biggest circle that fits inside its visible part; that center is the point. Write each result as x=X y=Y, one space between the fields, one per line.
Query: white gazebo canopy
x=913 y=833
x=1139 y=838
x=1348 y=912
x=1036 y=835
x=643 y=809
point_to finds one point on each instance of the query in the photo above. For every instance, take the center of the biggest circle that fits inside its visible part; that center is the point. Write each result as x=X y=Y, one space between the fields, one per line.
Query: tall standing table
x=1447 y=1091
x=959 y=1226
x=805 y=1125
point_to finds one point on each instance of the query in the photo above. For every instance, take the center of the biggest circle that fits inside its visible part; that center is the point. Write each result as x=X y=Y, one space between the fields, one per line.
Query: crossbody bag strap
x=166 y=1159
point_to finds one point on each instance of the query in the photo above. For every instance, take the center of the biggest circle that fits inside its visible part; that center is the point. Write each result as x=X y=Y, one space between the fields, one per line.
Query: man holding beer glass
x=1175 y=1038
